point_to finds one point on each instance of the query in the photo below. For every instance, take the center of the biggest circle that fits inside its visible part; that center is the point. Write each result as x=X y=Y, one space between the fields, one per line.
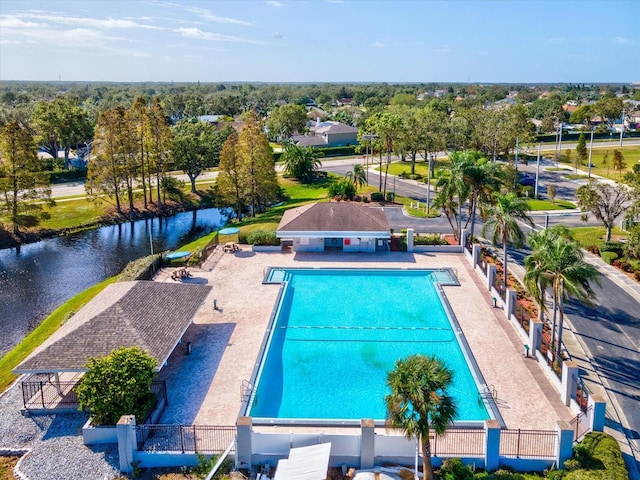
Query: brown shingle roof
x=151 y=315
x=334 y=217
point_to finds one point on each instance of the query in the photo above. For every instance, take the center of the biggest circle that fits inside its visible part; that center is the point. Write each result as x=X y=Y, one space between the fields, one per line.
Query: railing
x=580 y=424
x=582 y=394
x=49 y=394
x=208 y=249
x=523 y=317
x=500 y=287
x=528 y=443
x=459 y=442
x=184 y=438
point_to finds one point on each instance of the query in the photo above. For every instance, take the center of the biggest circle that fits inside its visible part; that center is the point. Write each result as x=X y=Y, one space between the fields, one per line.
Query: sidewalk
x=581 y=355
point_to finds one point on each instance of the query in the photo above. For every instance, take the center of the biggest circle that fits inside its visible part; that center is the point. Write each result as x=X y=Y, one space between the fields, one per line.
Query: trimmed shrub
x=431 y=239
x=616 y=247
x=609 y=257
x=377 y=197
x=597 y=456
x=263 y=237
x=454 y=469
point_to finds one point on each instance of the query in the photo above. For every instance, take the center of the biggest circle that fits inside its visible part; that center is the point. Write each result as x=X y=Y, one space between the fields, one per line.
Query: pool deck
x=204 y=387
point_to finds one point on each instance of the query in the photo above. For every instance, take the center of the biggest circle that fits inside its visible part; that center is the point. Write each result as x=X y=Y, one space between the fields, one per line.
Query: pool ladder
x=246 y=389
x=489 y=391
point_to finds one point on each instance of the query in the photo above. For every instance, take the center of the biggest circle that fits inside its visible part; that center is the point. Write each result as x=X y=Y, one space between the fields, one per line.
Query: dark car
x=527 y=180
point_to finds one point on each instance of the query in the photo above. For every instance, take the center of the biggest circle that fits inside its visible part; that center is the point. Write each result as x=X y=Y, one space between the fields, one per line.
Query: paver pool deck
x=204 y=387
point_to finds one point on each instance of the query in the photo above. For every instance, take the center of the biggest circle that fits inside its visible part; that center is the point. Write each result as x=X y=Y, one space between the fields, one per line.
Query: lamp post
x=590 y=154
x=622 y=127
x=429 y=159
x=559 y=147
x=535 y=194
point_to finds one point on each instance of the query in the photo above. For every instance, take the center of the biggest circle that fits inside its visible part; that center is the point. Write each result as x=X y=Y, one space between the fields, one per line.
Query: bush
x=609 y=257
x=377 y=197
x=597 y=456
x=615 y=247
x=117 y=384
x=431 y=239
x=263 y=237
x=454 y=469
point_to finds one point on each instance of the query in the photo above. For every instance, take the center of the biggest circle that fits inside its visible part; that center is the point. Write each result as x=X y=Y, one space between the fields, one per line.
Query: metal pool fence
x=184 y=438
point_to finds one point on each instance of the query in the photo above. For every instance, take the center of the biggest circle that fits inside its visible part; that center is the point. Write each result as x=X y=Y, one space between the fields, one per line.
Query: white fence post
x=510 y=304
x=126 y=428
x=491 y=275
x=535 y=335
x=410 y=240
x=569 y=369
x=244 y=448
x=368 y=443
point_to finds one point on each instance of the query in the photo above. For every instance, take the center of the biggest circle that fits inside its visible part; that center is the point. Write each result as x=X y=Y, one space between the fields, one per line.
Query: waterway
x=37 y=278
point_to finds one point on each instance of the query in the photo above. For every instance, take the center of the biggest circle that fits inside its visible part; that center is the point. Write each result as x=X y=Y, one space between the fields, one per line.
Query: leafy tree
x=20 y=179
x=160 y=144
x=583 y=114
x=117 y=384
x=255 y=153
x=503 y=220
x=388 y=128
x=561 y=262
x=605 y=160
x=551 y=192
x=301 y=162
x=284 y=121
x=606 y=202
x=609 y=109
x=111 y=148
x=618 y=161
x=231 y=184
x=453 y=184
x=195 y=148
x=632 y=179
x=61 y=124
x=139 y=124
x=581 y=150
x=632 y=246
x=419 y=402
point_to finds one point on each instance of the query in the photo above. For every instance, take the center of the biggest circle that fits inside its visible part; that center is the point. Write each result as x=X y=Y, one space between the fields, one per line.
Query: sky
x=525 y=41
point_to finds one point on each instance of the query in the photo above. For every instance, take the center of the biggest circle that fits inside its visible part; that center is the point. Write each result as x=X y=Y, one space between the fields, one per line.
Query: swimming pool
x=337 y=332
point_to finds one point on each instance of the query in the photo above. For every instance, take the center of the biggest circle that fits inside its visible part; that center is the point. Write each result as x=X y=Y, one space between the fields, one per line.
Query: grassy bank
x=44 y=331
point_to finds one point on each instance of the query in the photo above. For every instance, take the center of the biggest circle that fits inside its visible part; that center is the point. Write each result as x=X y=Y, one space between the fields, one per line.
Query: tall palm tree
x=562 y=260
x=418 y=402
x=503 y=220
x=358 y=176
x=453 y=184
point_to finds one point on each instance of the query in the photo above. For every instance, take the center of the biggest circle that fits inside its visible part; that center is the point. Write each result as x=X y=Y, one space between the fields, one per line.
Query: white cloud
x=275 y=3
x=50 y=18
x=277 y=35
x=218 y=37
x=378 y=45
x=622 y=40
x=208 y=15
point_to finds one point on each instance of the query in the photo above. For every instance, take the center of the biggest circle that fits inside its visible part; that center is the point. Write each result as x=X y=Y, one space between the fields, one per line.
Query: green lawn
x=537 y=205
x=631 y=156
x=588 y=236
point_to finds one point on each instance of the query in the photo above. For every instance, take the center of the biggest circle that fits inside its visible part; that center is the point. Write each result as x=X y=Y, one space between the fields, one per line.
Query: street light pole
x=535 y=194
x=559 y=147
x=622 y=127
x=517 y=151
x=429 y=159
x=590 y=154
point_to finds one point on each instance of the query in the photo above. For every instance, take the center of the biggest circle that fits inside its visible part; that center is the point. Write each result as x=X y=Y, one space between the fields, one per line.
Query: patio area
x=205 y=381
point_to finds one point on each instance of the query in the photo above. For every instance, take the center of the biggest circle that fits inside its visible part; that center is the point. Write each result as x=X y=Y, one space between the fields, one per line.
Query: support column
x=535 y=335
x=410 y=240
x=463 y=237
x=510 y=307
x=475 y=254
x=492 y=446
x=126 y=432
x=598 y=411
x=367 y=443
x=244 y=448
x=569 y=369
x=564 y=448
x=491 y=275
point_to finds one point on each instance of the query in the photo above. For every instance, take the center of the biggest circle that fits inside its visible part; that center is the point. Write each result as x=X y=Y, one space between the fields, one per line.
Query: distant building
x=328 y=134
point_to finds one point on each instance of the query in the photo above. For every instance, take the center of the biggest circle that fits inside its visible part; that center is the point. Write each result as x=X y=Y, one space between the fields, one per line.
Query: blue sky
x=320 y=40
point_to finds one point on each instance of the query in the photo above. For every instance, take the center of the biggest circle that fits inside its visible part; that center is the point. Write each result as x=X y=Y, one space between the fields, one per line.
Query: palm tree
x=562 y=261
x=503 y=220
x=358 y=176
x=301 y=162
x=418 y=402
x=453 y=184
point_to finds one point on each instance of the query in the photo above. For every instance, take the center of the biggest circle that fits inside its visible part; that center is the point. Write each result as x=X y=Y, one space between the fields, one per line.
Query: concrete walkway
x=205 y=385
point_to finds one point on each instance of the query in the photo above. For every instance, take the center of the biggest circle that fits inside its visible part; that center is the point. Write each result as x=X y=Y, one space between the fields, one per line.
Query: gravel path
x=55 y=441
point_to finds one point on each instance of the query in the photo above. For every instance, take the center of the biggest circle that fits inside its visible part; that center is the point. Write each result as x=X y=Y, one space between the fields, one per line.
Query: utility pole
x=622 y=127
x=535 y=194
x=590 y=154
x=429 y=158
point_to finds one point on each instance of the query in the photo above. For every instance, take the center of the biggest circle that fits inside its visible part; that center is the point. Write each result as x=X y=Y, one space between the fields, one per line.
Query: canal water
x=37 y=278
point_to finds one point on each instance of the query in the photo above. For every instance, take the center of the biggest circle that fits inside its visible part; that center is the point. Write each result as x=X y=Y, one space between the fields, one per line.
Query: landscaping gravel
x=55 y=441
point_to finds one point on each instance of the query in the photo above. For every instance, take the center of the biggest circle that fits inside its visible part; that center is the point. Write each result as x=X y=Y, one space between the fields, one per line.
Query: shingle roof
x=151 y=315
x=309 y=141
x=333 y=128
x=334 y=217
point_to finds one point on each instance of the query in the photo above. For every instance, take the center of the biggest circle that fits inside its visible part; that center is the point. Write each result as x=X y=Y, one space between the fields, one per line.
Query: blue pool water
x=338 y=333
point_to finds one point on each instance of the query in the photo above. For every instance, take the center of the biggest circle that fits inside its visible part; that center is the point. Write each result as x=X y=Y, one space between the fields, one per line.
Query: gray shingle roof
x=334 y=217
x=151 y=315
